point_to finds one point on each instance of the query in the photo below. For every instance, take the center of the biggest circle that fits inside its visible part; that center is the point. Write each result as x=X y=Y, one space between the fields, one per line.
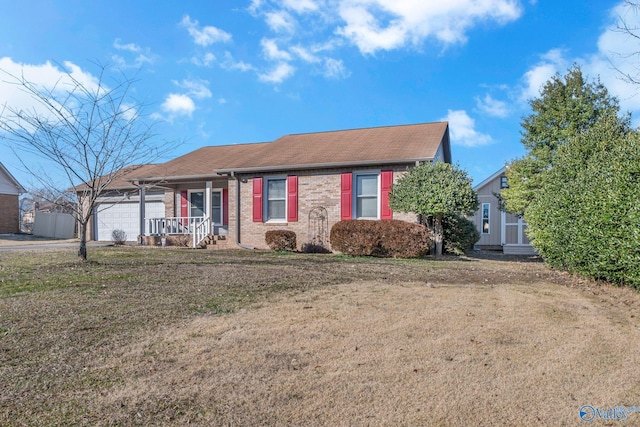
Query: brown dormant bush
x=389 y=238
x=281 y=240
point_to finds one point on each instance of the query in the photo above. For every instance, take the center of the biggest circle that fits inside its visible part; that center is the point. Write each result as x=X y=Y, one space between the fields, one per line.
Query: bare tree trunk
x=438 y=233
x=82 y=250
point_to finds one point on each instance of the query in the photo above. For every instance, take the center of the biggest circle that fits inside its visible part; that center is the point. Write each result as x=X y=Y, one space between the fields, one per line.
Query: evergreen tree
x=568 y=105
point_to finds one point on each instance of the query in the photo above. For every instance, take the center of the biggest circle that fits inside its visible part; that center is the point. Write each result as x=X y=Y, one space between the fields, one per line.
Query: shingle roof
x=123 y=181
x=388 y=144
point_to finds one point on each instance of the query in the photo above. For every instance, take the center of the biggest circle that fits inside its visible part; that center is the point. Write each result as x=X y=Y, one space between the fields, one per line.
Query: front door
x=196 y=204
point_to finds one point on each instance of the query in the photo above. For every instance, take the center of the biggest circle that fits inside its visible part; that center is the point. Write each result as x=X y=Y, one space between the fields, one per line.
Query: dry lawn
x=272 y=339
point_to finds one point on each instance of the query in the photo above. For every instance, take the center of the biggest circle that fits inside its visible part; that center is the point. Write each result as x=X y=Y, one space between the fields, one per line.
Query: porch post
x=142 y=212
x=503 y=227
x=207 y=205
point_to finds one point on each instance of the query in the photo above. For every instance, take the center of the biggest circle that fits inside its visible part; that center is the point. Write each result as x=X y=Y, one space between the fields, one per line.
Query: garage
x=123 y=216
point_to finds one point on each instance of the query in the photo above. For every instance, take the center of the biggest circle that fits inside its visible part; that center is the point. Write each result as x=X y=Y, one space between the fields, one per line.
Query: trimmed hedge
x=281 y=240
x=388 y=238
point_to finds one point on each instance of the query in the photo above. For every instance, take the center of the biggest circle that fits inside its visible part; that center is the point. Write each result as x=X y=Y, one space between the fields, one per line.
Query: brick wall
x=169 y=204
x=9 y=214
x=315 y=189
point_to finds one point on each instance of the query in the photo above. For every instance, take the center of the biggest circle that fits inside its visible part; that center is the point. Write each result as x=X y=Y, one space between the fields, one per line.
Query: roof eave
x=486 y=181
x=161 y=179
x=332 y=165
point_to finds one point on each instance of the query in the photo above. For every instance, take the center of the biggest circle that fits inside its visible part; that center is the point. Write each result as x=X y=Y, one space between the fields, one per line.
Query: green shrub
x=389 y=238
x=460 y=234
x=281 y=240
x=586 y=218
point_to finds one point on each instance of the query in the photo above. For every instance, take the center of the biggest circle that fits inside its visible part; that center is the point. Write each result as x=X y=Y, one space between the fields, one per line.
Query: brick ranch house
x=10 y=190
x=232 y=195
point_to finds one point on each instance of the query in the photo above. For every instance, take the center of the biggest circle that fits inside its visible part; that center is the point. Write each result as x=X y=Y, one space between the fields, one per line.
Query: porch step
x=216 y=242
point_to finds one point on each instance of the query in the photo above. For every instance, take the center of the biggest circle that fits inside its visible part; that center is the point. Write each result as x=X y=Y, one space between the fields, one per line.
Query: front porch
x=196 y=215
x=193 y=232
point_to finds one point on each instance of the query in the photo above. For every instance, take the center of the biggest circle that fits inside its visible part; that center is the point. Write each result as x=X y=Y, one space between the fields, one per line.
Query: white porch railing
x=199 y=227
x=200 y=231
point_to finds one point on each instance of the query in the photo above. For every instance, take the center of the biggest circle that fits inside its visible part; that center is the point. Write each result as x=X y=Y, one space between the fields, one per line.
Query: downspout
x=238 y=243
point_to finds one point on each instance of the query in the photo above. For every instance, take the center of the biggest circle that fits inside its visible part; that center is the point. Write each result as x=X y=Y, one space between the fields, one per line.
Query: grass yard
x=142 y=336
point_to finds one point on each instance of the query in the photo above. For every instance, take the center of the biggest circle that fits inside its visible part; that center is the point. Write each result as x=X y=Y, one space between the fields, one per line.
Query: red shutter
x=386 y=179
x=292 y=198
x=225 y=206
x=257 y=199
x=346 y=195
x=184 y=206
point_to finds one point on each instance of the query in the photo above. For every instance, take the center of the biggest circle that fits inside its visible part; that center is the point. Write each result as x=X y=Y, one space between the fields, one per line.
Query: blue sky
x=237 y=71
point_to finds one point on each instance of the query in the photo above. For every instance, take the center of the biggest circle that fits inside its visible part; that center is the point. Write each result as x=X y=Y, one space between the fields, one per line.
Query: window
x=276 y=199
x=485 y=217
x=216 y=207
x=503 y=182
x=196 y=202
x=279 y=204
x=367 y=196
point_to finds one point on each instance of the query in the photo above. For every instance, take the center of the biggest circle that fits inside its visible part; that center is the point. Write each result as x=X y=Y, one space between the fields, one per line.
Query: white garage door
x=124 y=216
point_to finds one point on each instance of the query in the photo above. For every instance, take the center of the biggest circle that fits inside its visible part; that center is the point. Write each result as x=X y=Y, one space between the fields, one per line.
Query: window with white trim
x=366 y=196
x=486 y=207
x=276 y=199
x=216 y=207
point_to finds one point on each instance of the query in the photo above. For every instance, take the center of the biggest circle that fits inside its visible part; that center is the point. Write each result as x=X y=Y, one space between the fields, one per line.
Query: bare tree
x=627 y=25
x=93 y=132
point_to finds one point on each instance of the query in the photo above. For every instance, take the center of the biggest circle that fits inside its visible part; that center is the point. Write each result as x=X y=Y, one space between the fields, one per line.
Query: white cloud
x=335 y=69
x=617 y=56
x=205 y=60
x=195 y=87
x=463 y=130
x=144 y=55
x=304 y=54
x=310 y=31
x=492 y=107
x=272 y=52
x=300 y=6
x=131 y=47
x=280 y=21
x=45 y=76
x=230 y=63
x=204 y=36
x=533 y=80
x=178 y=105
x=278 y=74
x=254 y=6
x=613 y=56
x=374 y=25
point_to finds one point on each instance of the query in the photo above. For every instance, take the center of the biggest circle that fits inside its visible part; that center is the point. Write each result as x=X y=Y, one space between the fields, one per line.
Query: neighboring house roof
x=355 y=147
x=8 y=184
x=491 y=178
